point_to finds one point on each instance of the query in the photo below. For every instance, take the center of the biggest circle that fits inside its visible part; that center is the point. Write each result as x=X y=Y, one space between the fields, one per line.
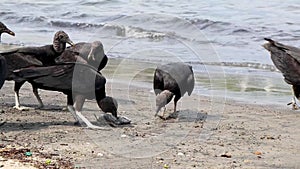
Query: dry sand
x=208 y=133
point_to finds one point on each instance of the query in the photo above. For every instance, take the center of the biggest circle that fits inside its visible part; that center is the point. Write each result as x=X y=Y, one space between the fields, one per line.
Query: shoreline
x=208 y=132
x=239 y=86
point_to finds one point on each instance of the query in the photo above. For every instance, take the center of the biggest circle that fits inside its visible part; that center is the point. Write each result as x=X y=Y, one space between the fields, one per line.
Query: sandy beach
x=207 y=133
x=236 y=117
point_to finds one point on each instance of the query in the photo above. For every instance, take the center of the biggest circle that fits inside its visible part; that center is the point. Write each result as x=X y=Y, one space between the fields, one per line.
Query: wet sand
x=207 y=133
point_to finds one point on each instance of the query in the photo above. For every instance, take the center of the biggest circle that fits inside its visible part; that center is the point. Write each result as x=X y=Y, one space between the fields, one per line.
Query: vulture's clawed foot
x=162 y=117
x=22 y=108
x=295 y=104
x=112 y=120
x=171 y=116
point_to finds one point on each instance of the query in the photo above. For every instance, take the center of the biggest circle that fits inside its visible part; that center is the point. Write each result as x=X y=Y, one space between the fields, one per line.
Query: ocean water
x=220 y=39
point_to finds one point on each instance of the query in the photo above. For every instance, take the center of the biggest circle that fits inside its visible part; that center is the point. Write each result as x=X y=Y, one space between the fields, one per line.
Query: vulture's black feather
x=172 y=79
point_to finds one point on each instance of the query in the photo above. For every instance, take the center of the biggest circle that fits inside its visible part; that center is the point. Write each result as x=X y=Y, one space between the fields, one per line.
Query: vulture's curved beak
x=70 y=42
x=10 y=32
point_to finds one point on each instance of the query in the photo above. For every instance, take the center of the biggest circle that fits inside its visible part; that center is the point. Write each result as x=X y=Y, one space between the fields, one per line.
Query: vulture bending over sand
x=86 y=53
x=78 y=81
x=90 y=53
x=172 y=79
x=287 y=61
x=34 y=56
x=4 y=29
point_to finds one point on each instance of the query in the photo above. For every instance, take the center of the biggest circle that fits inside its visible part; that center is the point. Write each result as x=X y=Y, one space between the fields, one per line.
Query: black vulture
x=78 y=81
x=34 y=56
x=172 y=79
x=287 y=61
x=86 y=53
x=4 y=29
x=92 y=53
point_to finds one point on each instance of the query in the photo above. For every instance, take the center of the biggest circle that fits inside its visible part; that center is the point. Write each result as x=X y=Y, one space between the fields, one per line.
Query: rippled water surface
x=221 y=39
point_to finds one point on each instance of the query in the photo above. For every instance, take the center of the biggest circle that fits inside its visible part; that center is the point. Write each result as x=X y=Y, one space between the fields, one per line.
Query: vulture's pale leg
x=17 y=97
x=17 y=100
x=79 y=100
x=72 y=110
x=36 y=94
x=70 y=106
x=87 y=122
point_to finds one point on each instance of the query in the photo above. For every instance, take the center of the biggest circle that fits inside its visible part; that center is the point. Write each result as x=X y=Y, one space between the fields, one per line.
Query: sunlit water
x=220 y=39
